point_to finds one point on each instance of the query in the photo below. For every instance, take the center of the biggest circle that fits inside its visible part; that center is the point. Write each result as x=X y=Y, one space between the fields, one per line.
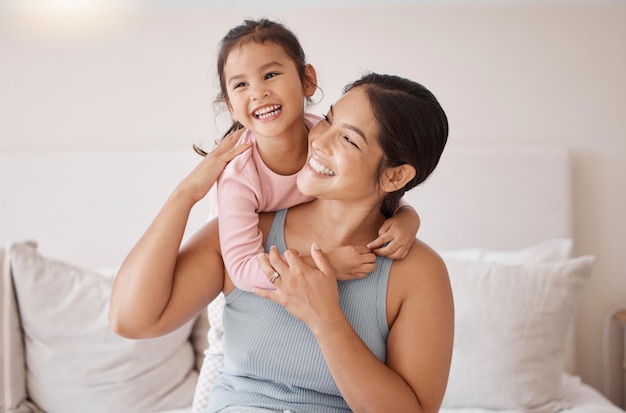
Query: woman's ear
x=310 y=80
x=396 y=177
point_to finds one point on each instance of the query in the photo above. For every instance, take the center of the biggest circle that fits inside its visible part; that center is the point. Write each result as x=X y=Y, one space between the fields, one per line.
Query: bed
x=499 y=215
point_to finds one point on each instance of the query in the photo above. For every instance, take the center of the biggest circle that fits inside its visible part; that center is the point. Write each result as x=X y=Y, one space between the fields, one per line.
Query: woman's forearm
x=144 y=282
x=157 y=288
x=367 y=384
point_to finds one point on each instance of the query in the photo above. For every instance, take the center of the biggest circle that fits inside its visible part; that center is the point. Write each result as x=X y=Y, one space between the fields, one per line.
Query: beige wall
x=521 y=75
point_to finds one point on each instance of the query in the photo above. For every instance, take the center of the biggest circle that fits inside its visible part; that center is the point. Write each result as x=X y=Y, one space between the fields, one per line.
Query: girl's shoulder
x=246 y=137
x=244 y=163
x=311 y=119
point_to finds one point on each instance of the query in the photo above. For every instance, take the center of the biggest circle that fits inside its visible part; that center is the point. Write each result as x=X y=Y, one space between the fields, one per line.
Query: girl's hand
x=200 y=180
x=352 y=261
x=398 y=232
x=309 y=294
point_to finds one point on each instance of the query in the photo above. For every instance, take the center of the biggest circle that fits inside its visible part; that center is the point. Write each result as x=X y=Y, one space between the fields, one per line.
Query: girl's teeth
x=320 y=168
x=267 y=112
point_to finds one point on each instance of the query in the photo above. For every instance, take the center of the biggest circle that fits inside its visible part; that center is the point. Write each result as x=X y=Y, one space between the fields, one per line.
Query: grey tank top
x=272 y=360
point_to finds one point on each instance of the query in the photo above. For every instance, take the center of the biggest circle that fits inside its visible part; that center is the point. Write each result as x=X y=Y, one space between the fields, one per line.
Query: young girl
x=265 y=81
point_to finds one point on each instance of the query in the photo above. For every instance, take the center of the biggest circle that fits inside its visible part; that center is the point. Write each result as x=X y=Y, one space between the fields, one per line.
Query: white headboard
x=500 y=197
x=89 y=208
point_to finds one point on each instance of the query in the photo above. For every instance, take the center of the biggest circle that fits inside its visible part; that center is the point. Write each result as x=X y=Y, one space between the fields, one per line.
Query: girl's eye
x=240 y=84
x=271 y=75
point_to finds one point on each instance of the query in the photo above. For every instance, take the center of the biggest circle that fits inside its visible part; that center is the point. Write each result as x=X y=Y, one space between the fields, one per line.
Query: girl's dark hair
x=258 y=31
x=413 y=128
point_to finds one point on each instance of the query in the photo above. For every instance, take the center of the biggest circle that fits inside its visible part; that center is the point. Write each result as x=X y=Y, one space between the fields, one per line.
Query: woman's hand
x=200 y=180
x=309 y=294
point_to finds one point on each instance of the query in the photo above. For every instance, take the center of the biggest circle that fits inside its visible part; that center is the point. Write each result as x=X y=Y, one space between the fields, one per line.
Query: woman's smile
x=319 y=168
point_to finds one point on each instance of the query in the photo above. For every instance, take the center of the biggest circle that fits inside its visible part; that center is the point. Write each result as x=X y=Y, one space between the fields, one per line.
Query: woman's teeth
x=267 y=111
x=320 y=168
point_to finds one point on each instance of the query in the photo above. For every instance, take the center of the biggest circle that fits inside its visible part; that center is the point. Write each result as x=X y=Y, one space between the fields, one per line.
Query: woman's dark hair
x=258 y=31
x=413 y=128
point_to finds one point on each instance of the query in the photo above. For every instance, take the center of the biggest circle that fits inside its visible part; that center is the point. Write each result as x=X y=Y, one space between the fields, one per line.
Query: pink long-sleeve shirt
x=245 y=188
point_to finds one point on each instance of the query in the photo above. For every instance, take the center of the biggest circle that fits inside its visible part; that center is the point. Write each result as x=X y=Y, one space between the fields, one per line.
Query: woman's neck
x=336 y=224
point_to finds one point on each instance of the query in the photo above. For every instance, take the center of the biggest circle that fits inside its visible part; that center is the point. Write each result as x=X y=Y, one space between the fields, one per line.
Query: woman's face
x=344 y=153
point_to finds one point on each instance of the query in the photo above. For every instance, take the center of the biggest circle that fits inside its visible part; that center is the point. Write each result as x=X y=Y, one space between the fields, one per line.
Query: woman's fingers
x=321 y=260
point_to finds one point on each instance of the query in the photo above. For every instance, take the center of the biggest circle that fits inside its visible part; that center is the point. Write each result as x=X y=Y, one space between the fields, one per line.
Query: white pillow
x=551 y=250
x=75 y=361
x=510 y=329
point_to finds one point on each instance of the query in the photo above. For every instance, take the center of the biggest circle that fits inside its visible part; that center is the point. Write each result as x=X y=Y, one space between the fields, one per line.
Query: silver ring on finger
x=274 y=276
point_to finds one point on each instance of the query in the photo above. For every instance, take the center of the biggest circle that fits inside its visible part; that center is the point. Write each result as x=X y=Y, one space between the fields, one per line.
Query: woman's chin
x=306 y=181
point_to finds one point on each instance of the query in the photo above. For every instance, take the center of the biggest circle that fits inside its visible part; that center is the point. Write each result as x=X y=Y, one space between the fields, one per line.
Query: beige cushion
x=75 y=361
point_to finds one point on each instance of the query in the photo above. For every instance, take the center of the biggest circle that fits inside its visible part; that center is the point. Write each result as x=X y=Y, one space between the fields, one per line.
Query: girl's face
x=344 y=153
x=264 y=91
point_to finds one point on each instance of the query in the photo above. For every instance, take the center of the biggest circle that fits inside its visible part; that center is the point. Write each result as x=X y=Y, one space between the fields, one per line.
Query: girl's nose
x=260 y=92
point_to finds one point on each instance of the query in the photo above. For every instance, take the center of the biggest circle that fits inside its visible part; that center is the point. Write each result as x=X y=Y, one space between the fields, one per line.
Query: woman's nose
x=320 y=139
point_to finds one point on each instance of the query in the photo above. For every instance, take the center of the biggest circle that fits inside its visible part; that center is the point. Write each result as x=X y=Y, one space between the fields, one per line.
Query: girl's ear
x=396 y=177
x=310 y=80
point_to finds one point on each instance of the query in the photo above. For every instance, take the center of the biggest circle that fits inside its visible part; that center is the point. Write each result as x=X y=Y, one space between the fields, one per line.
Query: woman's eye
x=325 y=117
x=351 y=142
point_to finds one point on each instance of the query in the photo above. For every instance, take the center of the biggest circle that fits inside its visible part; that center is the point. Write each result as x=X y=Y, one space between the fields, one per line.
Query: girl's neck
x=285 y=154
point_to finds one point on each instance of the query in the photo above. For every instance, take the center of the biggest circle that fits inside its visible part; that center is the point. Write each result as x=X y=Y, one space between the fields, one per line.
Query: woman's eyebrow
x=351 y=127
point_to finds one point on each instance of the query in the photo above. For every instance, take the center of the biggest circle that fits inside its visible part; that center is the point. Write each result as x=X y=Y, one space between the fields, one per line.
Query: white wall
x=505 y=74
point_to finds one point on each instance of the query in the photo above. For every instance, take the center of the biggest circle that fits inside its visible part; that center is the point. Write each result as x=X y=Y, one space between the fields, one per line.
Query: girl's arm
x=238 y=193
x=158 y=288
x=398 y=232
x=419 y=347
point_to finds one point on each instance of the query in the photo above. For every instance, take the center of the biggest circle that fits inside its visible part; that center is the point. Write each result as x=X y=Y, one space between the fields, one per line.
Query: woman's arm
x=419 y=347
x=158 y=288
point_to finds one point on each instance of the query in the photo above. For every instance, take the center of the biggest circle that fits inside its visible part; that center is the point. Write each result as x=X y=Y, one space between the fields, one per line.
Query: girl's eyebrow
x=235 y=78
x=351 y=127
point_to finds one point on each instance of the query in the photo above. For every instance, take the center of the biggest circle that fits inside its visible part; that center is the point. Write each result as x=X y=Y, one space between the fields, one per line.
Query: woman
x=382 y=343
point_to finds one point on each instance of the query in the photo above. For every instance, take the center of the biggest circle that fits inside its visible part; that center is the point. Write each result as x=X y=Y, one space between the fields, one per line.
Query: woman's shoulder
x=422 y=255
x=422 y=271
